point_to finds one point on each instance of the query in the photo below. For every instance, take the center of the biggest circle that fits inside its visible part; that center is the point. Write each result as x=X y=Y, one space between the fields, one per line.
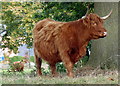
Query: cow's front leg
x=69 y=67
x=63 y=49
x=67 y=63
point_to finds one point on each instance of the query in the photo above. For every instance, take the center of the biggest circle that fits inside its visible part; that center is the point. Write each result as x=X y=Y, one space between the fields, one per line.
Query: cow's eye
x=94 y=23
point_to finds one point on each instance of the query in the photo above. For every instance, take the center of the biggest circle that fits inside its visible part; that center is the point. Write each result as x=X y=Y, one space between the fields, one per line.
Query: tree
x=18 y=21
x=104 y=51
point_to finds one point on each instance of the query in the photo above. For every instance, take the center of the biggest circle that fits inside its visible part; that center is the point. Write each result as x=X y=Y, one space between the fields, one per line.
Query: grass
x=27 y=77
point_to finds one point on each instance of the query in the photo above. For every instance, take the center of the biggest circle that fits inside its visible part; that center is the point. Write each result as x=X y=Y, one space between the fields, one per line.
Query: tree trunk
x=104 y=52
x=119 y=41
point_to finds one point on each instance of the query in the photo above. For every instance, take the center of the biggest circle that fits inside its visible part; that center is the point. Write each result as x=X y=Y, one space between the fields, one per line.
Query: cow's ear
x=86 y=21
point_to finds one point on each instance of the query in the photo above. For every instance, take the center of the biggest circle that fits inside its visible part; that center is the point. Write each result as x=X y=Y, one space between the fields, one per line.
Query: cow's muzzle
x=104 y=34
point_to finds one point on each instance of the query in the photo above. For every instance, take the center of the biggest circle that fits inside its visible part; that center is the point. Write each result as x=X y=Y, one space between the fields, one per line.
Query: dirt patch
x=89 y=71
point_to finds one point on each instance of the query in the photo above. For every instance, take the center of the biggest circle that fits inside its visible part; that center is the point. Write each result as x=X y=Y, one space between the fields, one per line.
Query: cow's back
x=46 y=24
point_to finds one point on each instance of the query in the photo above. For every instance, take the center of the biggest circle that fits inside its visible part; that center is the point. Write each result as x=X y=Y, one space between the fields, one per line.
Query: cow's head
x=95 y=26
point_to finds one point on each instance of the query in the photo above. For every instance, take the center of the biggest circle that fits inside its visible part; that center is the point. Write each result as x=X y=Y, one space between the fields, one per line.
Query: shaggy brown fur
x=65 y=41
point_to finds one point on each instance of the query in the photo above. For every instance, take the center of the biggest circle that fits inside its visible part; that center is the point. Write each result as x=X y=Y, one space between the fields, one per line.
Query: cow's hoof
x=71 y=75
x=39 y=74
x=55 y=75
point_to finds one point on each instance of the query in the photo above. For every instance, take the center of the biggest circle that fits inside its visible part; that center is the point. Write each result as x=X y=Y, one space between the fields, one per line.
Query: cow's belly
x=48 y=52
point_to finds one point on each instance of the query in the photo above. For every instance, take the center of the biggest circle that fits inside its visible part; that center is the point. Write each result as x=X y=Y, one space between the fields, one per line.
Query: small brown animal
x=18 y=66
x=65 y=41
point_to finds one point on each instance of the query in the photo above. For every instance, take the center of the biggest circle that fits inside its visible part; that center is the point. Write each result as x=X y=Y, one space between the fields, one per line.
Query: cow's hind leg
x=53 y=70
x=38 y=62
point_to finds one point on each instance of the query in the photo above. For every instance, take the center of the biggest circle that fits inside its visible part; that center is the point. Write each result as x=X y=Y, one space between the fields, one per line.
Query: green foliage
x=15 y=58
x=19 y=58
x=45 y=71
x=60 y=67
x=84 y=60
x=18 y=19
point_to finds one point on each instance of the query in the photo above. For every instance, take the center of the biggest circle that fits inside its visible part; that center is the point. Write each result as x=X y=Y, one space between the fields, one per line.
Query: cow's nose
x=105 y=33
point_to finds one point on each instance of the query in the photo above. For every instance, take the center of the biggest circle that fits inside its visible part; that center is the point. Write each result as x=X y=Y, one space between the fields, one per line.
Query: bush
x=45 y=71
x=60 y=67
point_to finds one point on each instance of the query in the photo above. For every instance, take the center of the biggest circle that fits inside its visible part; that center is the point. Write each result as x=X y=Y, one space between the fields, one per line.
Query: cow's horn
x=105 y=17
x=86 y=13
